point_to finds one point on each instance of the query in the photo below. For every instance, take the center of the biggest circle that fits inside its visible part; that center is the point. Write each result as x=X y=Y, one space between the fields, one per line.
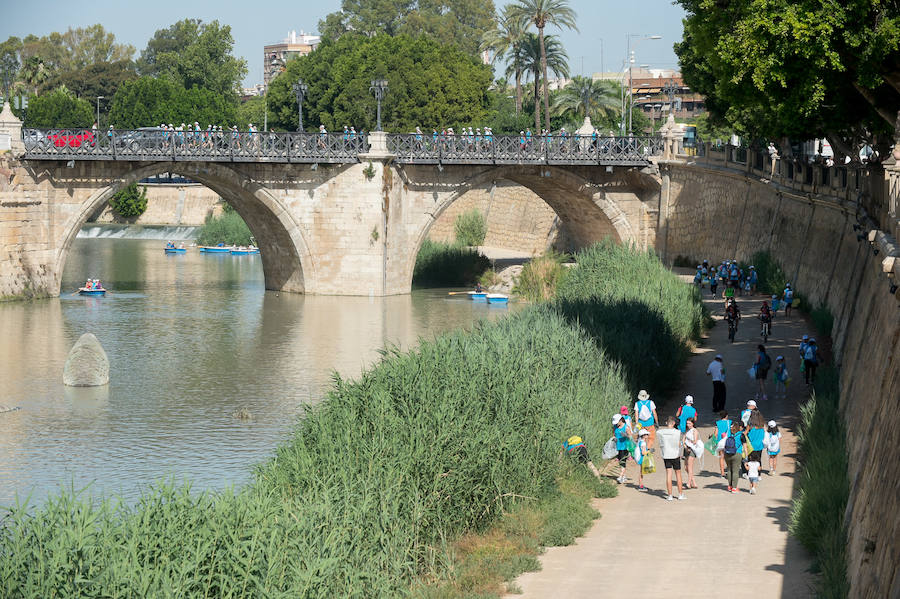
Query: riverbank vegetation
x=129 y=202
x=540 y=277
x=381 y=487
x=228 y=228
x=440 y=264
x=470 y=228
x=817 y=514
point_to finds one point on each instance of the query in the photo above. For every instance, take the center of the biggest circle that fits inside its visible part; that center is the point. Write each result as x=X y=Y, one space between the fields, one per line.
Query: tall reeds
x=378 y=480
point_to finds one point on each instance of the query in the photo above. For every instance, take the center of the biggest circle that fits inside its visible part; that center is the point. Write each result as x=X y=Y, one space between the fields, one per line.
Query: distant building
x=257 y=90
x=662 y=93
x=276 y=55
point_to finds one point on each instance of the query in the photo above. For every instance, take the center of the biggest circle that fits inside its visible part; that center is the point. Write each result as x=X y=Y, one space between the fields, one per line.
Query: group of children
x=740 y=444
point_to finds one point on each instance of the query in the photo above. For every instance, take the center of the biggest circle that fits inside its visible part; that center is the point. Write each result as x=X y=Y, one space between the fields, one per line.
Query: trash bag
x=609 y=449
x=648 y=467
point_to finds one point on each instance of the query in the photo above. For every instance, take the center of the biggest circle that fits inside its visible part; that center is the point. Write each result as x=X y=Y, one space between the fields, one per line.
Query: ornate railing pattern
x=215 y=146
x=514 y=149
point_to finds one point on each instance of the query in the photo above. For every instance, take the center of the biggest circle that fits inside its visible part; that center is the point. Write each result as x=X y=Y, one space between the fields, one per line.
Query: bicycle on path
x=732 y=316
x=765 y=318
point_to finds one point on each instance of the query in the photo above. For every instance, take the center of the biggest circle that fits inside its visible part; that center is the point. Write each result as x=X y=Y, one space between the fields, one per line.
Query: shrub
x=541 y=276
x=817 y=514
x=447 y=265
x=229 y=228
x=771 y=277
x=471 y=228
x=130 y=201
x=823 y=320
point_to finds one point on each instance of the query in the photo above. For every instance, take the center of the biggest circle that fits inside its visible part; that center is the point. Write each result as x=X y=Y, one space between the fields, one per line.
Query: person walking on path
x=716 y=370
x=810 y=361
x=788 y=296
x=623 y=435
x=643 y=451
x=802 y=350
x=733 y=458
x=693 y=449
x=670 y=448
x=756 y=435
x=761 y=370
x=781 y=377
x=772 y=442
x=685 y=411
x=753 y=474
x=723 y=426
x=645 y=412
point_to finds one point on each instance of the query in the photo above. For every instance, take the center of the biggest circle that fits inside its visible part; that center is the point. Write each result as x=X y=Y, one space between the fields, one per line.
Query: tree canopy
x=59 y=108
x=430 y=85
x=98 y=79
x=193 y=53
x=149 y=102
x=459 y=22
x=795 y=68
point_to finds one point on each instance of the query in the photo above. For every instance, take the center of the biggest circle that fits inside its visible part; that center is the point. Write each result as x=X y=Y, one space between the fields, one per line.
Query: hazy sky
x=254 y=24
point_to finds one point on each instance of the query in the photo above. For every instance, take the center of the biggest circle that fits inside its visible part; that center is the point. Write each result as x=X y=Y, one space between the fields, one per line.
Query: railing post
x=231 y=144
x=548 y=139
x=112 y=143
x=174 y=138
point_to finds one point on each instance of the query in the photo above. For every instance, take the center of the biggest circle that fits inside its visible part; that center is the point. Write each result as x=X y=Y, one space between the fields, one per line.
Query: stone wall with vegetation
x=170 y=204
x=718 y=214
x=517 y=219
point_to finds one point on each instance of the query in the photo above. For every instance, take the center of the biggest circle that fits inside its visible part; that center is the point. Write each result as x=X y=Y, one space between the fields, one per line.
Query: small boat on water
x=244 y=251
x=497 y=298
x=478 y=296
x=91 y=291
x=216 y=249
x=176 y=250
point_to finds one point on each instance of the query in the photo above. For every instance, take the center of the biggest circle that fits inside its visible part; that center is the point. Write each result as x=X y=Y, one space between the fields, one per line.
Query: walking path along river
x=713 y=543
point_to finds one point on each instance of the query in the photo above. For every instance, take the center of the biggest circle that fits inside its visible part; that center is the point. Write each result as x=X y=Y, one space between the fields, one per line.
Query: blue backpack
x=730 y=445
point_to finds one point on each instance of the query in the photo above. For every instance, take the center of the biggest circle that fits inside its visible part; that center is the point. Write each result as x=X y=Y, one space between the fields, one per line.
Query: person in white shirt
x=753 y=475
x=670 y=447
x=716 y=370
x=773 y=445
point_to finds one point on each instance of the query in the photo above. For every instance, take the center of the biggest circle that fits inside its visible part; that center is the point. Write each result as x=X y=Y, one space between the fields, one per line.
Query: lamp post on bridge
x=379 y=86
x=629 y=57
x=98 y=110
x=300 y=90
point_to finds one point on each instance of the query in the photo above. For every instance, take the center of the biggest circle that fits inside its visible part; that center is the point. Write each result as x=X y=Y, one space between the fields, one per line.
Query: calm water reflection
x=191 y=339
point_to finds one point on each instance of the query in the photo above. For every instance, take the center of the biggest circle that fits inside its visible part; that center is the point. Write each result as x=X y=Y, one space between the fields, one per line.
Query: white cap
x=643 y=432
x=719 y=357
x=617 y=418
x=688 y=399
x=771 y=423
x=751 y=404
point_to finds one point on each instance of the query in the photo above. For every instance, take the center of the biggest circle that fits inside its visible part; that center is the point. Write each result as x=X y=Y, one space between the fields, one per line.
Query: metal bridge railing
x=514 y=149
x=215 y=146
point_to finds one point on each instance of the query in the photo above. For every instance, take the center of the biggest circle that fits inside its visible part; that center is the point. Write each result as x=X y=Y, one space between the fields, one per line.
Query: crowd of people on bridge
x=476 y=139
x=738 y=440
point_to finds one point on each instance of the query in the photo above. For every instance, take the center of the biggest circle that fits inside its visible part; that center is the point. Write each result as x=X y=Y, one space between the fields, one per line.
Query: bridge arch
x=593 y=205
x=288 y=264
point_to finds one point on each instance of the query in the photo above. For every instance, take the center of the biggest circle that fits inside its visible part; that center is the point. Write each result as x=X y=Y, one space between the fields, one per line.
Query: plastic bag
x=752 y=372
x=609 y=449
x=711 y=445
x=648 y=467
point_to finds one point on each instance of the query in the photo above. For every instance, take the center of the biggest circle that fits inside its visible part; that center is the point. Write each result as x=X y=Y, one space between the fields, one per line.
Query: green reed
x=377 y=480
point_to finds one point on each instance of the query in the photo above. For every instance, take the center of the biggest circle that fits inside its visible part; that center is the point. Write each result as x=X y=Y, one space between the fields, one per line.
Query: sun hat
x=812 y=340
x=779 y=358
x=805 y=337
x=719 y=357
x=751 y=404
x=643 y=432
x=617 y=418
x=623 y=410
x=688 y=399
x=642 y=395
x=771 y=423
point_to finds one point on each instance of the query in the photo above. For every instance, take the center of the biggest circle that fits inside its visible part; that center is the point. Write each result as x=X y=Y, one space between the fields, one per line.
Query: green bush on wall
x=471 y=228
x=130 y=202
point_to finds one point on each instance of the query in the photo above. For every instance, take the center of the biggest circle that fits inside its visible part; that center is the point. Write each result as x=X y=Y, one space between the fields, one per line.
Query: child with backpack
x=732 y=450
x=723 y=424
x=773 y=445
x=645 y=460
x=781 y=377
x=762 y=365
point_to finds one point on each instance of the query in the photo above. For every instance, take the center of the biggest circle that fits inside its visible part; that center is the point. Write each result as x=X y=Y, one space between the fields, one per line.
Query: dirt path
x=712 y=544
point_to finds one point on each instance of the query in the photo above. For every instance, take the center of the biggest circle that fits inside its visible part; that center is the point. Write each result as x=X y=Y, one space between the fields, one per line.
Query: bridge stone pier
x=333 y=228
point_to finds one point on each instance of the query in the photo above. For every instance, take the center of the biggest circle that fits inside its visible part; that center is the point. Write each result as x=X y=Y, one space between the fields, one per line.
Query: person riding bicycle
x=732 y=312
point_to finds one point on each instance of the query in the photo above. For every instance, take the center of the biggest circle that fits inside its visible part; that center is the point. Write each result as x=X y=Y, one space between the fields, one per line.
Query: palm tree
x=502 y=42
x=556 y=61
x=586 y=97
x=542 y=13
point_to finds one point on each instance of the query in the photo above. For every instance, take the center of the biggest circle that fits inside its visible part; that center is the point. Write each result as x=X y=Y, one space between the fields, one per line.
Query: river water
x=191 y=339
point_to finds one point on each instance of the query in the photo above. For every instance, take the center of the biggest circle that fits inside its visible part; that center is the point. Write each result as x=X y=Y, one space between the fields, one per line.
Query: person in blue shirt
x=733 y=455
x=788 y=299
x=753 y=279
x=687 y=410
x=723 y=425
x=645 y=412
x=623 y=435
x=756 y=434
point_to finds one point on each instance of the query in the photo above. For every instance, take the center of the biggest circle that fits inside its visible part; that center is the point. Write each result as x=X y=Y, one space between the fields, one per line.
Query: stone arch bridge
x=344 y=225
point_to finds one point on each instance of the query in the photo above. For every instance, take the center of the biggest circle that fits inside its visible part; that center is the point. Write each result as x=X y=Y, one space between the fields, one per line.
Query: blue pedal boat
x=497 y=298
x=86 y=291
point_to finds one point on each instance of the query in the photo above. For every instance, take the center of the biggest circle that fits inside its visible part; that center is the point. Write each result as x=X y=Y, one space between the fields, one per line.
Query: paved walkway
x=712 y=544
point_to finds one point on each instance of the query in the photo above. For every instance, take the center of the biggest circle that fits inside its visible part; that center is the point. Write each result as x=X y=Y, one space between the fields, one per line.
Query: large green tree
x=503 y=43
x=97 y=79
x=553 y=59
x=430 y=84
x=148 y=102
x=59 y=108
x=794 y=68
x=193 y=53
x=459 y=22
x=600 y=100
x=541 y=13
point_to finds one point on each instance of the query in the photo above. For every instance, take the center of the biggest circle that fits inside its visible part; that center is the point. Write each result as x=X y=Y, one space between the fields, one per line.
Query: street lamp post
x=300 y=90
x=98 y=109
x=379 y=86
x=629 y=56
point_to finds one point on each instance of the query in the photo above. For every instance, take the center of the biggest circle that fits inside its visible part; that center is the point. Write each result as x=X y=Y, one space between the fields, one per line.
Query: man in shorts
x=669 y=440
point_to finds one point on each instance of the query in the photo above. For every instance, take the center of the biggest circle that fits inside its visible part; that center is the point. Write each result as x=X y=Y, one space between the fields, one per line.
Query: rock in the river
x=242 y=414
x=87 y=364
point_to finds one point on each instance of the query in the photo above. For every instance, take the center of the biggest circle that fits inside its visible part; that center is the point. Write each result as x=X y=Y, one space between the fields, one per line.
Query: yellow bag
x=648 y=466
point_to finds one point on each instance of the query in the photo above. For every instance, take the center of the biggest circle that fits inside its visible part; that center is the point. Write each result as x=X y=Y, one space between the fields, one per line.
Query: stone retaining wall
x=717 y=214
x=171 y=204
x=517 y=219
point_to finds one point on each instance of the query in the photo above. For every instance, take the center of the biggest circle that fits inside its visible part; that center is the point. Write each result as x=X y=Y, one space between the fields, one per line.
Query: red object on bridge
x=71 y=139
